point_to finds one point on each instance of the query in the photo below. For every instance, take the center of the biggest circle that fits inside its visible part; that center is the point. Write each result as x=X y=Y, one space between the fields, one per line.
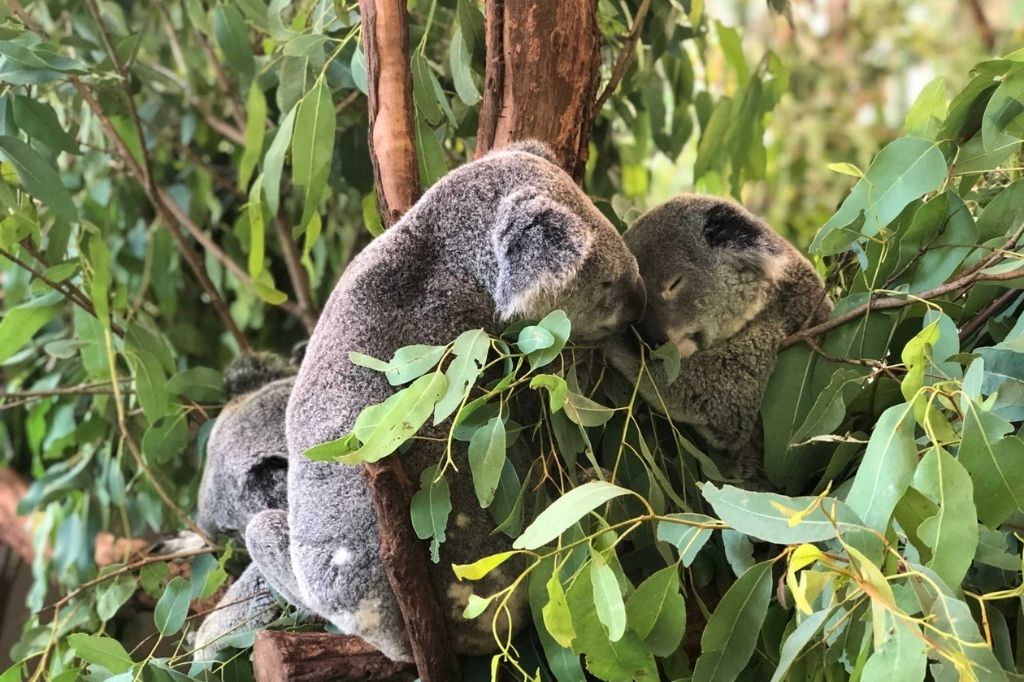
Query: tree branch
x=626 y=56
x=297 y=274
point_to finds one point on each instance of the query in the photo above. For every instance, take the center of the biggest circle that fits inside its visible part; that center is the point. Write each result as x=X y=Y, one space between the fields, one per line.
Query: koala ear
x=738 y=239
x=539 y=245
x=265 y=485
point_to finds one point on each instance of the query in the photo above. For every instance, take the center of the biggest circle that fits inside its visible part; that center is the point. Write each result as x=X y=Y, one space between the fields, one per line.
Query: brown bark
x=13 y=528
x=392 y=132
x=541 y=82
x=319 y=656
x=393 y=153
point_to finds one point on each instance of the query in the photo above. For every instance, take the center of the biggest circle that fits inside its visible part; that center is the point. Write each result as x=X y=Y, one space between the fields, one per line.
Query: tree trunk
x=393 y=153
x=318 y=656
x=543 y=61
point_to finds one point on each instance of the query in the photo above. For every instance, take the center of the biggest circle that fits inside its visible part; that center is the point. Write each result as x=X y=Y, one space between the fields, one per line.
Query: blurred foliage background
x=167 y=204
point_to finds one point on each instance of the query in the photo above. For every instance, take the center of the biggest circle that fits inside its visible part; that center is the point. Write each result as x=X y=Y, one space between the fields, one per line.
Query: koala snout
x=652 y=331
x=635 y=303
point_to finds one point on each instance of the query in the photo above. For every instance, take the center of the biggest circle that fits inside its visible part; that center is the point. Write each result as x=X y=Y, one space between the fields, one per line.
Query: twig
x=984 y=27
x=625 y=56
x=234 y=104
x=127 y=568
x=987 y=313
x=297 y=274
x=966 y=279
x=100 y=387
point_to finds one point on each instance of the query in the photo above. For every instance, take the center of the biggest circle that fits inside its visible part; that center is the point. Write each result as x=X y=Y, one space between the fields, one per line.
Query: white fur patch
x=367 y=616
x=342 y=556
x=462 y=520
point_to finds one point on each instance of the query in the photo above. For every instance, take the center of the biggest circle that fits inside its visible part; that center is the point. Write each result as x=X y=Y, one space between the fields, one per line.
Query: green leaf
x=334 y=450
x=887 y=468
x=150 y=384
x=166 y=438
x=313 y=140
x=656 y=612
x=952 y=534
x=358 y=66
x=533 y=338
x=611 y=610
x=846 y=169
x=21 y=323
x=668 y=354
x=731 y=633
x=273 y=162
x=557 y=389
x=383 y=428
x=257 y=232
x=686 y=535
x=556 y=613
x=430 y=154
x=38 y=178
x=797 y=641
x=565 y=511
x=470 y=351
x=903 y=171
x=1003 y=121
x=233 y=39
x=172 y=607
x=829 y=408
x=902 y=655
x=424 y=92
x=995 y=463
x=255 y=130
x=413 y=361
x=430 y=508
x=39 y=120
x=367 y=361
x=928 y=111
x=102 y=651
x=480 y=568
x=112 y=594
x=201 y=384
x=486 y=459
x=584 y=411
x=462 y=73
x=732 y=46
x=558 y=324
x=754 y=514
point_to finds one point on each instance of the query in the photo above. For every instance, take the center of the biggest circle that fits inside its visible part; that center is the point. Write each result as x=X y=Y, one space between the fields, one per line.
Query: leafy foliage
x=131 y=133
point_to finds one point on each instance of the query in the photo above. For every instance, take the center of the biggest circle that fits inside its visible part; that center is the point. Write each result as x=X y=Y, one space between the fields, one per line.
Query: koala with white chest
x=725 y=289
x=506 y=237
x=245 y=473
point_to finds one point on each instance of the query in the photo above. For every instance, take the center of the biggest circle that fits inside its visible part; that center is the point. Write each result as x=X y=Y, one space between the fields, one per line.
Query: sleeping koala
x=725 y=289
x=245 y=473
x=508 y=236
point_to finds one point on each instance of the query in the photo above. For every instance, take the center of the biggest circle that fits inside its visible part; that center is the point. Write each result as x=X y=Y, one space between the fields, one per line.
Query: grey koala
x=245 y=473
x=725 y=289
x=508 y=236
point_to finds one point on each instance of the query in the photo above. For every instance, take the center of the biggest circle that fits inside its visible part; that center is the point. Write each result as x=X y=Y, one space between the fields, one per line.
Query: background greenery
x=167 y=162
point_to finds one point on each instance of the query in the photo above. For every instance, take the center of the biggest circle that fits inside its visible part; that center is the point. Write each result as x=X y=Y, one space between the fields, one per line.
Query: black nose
x=636 y=303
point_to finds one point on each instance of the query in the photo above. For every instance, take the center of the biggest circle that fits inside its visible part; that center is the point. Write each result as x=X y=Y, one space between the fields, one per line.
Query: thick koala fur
x=725 y=289
x=508 y=236
x=246 y=472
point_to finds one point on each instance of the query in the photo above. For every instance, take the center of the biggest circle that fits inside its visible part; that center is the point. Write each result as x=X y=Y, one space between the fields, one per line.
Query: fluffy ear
x=739 y=240
x=265 y=486
x=535 y=147
x=539 y=245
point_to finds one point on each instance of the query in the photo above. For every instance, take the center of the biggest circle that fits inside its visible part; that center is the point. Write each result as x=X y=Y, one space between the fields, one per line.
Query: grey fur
x=508 y=236
x=245 y=473
x=726 y=289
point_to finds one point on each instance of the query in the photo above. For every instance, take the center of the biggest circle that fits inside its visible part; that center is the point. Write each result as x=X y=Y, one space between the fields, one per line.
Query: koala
x=506 y=237
x=725 y=289
x=245 y=473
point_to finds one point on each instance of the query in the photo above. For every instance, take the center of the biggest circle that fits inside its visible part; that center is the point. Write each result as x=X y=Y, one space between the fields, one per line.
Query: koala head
x=709 y=266
x=554 y=250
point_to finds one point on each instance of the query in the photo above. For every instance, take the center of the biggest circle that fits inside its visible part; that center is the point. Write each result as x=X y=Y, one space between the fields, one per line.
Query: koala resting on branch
x=725 y=289
x=246 y=472
x=507 y=237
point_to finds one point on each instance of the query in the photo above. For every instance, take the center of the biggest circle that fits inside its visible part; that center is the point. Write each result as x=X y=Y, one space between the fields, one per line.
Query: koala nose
x=636 y=303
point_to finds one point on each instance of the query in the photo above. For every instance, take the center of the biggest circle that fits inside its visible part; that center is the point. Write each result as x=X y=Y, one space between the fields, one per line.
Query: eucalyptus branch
x=626 y=56
x=972 y=276
x=297 y=274
x=128 y=568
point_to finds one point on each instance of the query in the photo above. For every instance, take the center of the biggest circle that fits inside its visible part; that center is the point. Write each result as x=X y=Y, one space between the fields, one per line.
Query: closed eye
x=673 y=286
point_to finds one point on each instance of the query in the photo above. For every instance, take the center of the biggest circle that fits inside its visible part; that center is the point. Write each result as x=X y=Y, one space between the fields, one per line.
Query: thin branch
x=988 y=35
x=297 y=274
x=97 y=388
x=234 y=104
x=128 y=568
x=626 y=56
x=990 y=311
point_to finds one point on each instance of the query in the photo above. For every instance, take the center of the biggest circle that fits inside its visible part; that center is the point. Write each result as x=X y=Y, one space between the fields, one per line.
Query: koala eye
x=673 y=286
x=607 y=284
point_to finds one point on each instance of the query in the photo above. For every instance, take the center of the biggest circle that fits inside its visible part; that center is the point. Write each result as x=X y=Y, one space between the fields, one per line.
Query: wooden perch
x=543 y=62
x=392 y=151
x=14 y=529
x=320 y=656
